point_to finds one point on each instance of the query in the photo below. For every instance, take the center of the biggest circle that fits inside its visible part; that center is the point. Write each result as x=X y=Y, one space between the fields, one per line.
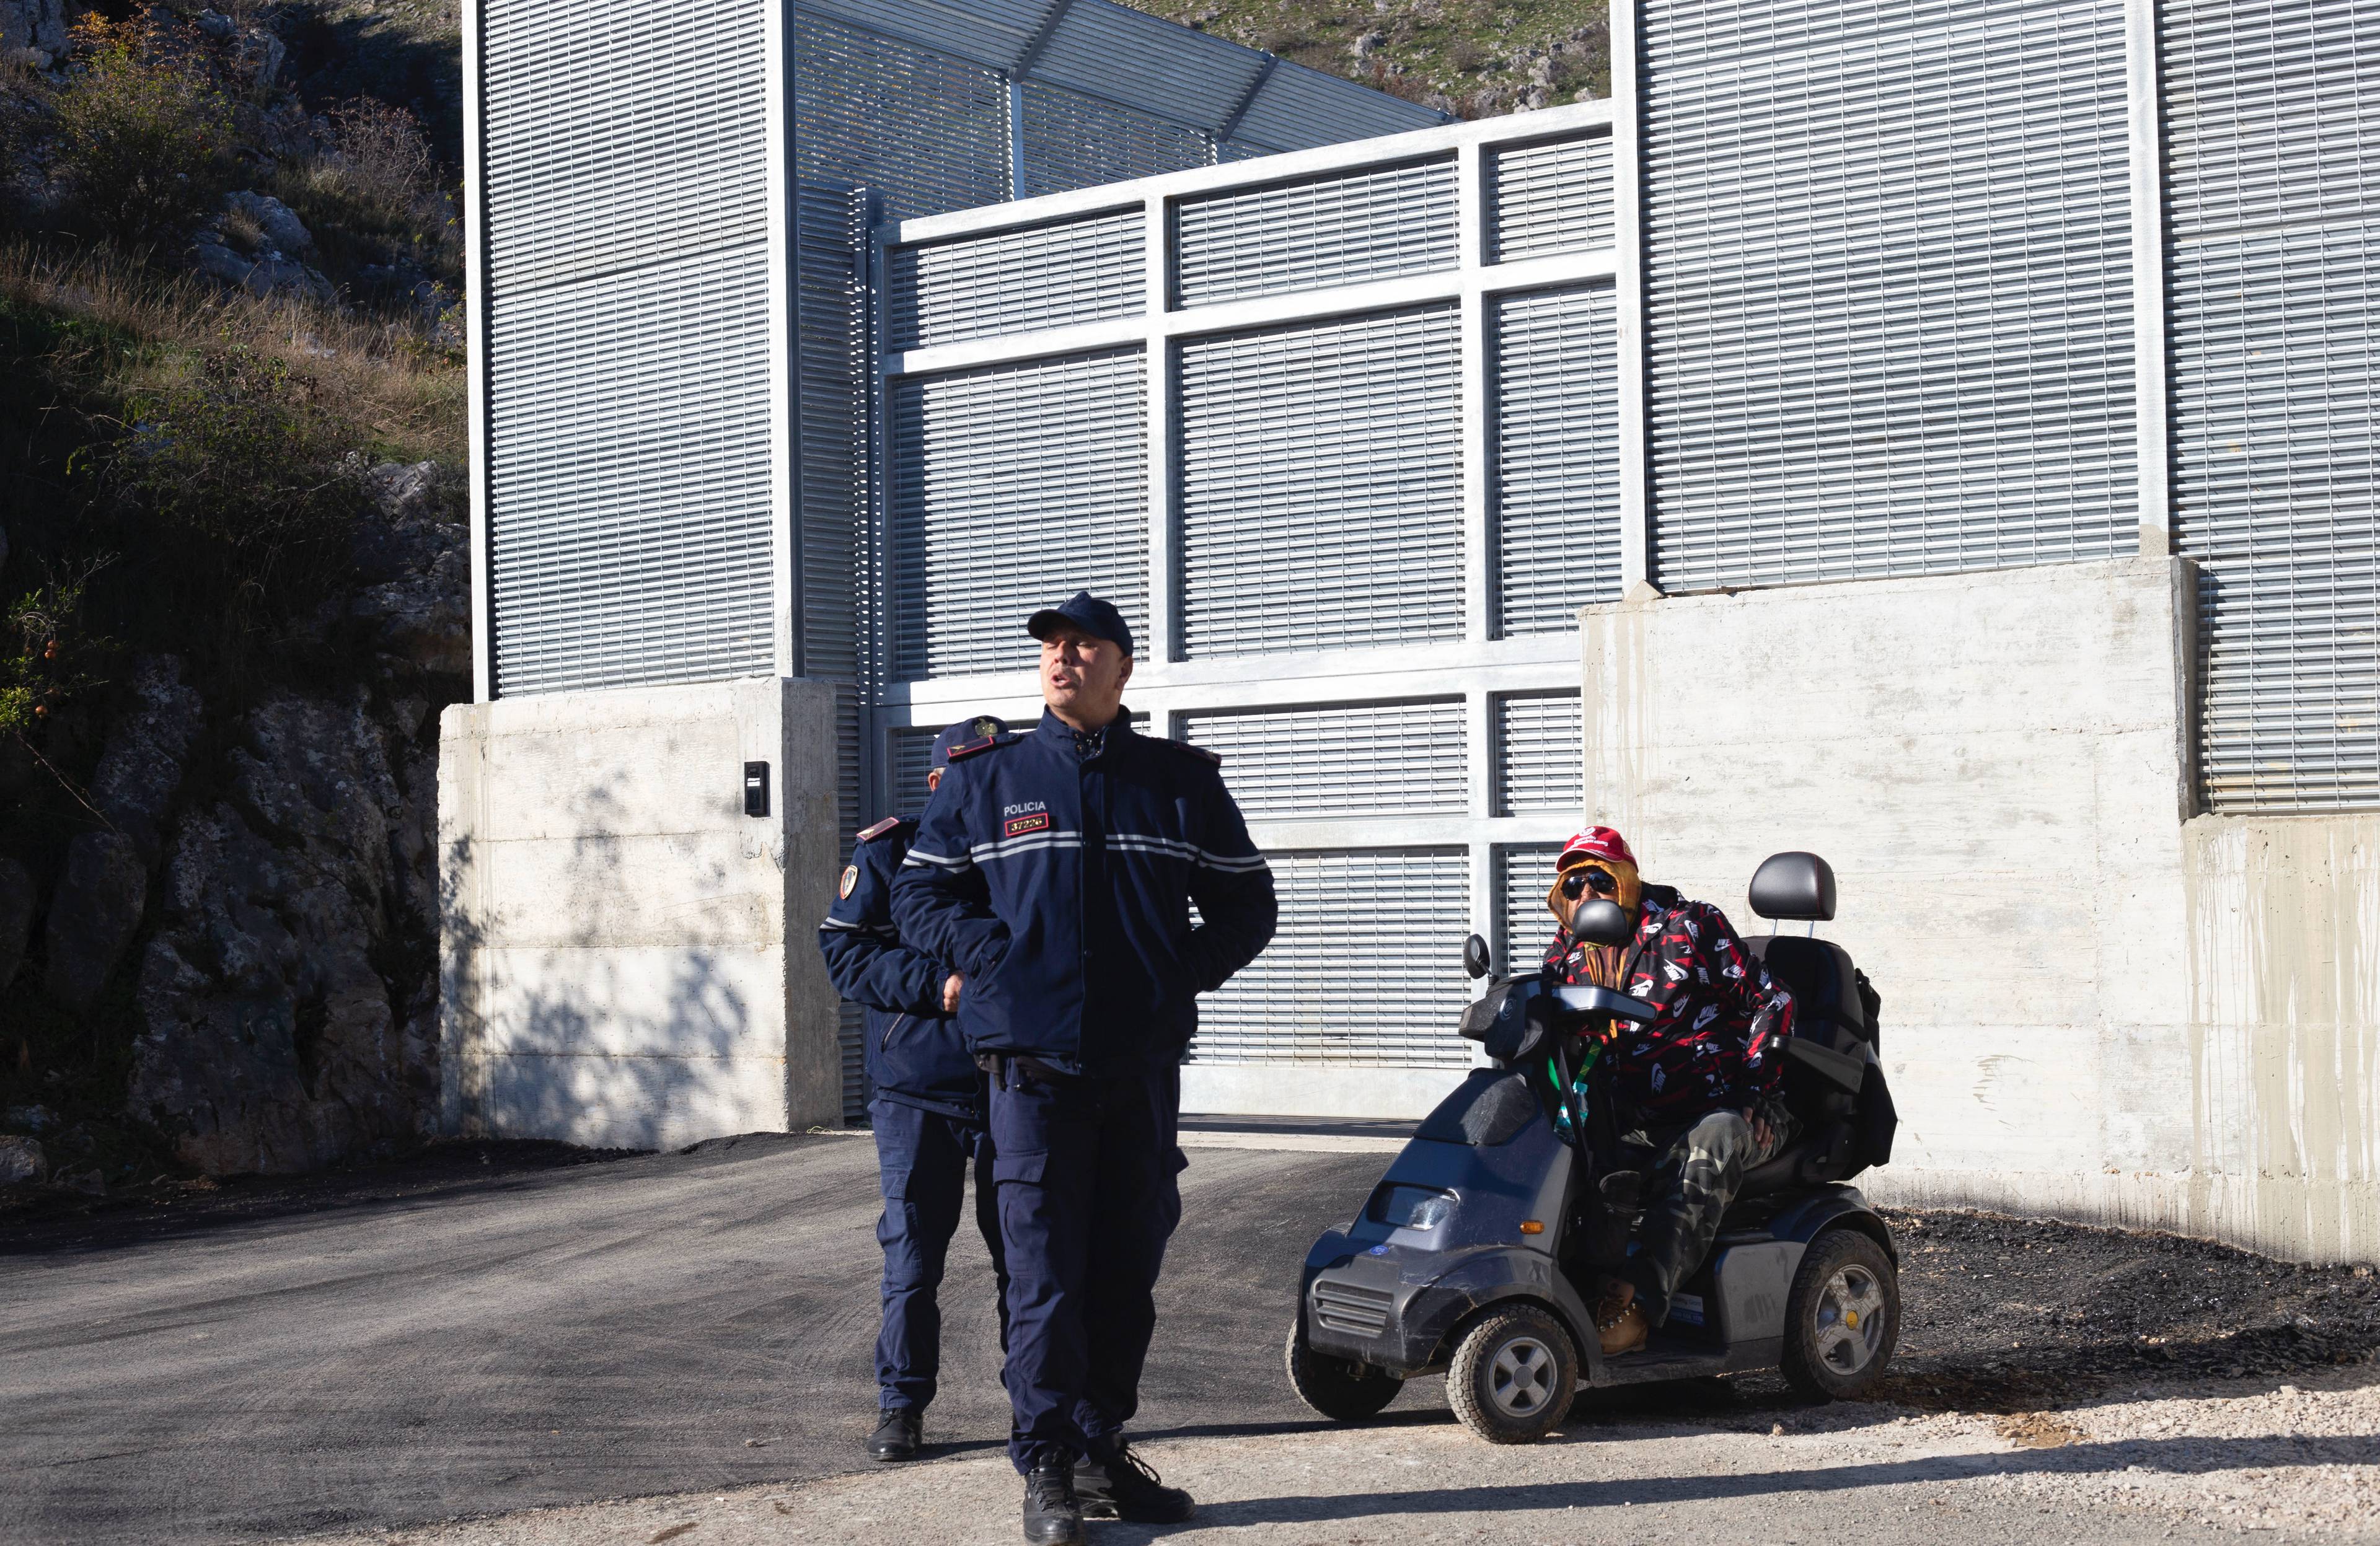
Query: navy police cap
x=982 y=727
x=1087 y=612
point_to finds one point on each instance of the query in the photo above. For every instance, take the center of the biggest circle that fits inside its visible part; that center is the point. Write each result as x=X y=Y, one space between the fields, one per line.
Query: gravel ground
x=2007 y=1314
x=2291 y=1464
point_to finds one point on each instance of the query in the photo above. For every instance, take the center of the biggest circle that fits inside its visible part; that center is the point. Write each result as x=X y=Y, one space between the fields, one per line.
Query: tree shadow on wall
x=598 y=1028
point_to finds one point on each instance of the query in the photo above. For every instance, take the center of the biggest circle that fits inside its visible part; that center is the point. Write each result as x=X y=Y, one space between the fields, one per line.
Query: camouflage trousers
x=1694 y=1174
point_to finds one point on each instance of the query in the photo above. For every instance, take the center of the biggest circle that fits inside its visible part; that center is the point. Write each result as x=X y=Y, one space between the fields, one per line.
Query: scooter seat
x=1824 y=986
x=1840 y=1133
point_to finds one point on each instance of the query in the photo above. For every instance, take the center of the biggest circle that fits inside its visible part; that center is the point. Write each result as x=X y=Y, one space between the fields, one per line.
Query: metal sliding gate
x=1340 y=434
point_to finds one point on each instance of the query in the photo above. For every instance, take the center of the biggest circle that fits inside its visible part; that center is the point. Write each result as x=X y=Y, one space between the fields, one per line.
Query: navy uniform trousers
x=1088 y=1195
x=922 y=1159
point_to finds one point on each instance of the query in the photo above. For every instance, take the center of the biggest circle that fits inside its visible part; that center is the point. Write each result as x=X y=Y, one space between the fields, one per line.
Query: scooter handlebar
x=1604 y=1001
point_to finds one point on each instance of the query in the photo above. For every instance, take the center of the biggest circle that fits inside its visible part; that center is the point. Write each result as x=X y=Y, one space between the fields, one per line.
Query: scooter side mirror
x=1597 y=922
x=1474 y=957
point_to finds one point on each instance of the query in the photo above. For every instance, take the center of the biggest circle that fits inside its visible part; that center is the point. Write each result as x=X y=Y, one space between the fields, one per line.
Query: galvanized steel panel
x=1074 y=141
x=629 y=507
x=1297 y=108
x=1889 y=312
x=1317 y=233
x=1134 y=61
x=597 y=157
x=851 y=1026
x=836 y=365
x=1321 y=485
x=1554 y=354
x=2273 y=286
x=982 y=460
x=1540 y=755
x=1396 y=999
x=927 y=132
x=912 y=758
x=1550 y=197
x=1524 y=872
x=993 y=33
x=1365 y=759
x=1012 y=282
x=1115 y=51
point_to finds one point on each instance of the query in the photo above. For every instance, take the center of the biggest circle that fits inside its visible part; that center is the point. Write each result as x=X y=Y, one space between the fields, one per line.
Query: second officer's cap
x=1100 y=618
x=967 y=732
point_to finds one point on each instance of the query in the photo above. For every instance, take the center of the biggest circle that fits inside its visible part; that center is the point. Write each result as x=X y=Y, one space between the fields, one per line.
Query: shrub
x=375 y=198
x=246 y=478
x=48 y=656
x=141 y=131
x=384 y=159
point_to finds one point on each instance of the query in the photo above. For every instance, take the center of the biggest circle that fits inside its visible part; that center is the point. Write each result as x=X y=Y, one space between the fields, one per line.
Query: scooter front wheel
x=1340 y=1389
x=1514 y=1374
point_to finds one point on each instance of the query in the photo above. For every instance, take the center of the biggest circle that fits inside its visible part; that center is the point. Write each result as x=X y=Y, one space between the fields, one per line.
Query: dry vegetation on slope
x=1476 y=58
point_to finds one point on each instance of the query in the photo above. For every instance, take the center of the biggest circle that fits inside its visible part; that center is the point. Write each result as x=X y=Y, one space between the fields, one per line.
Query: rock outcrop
x=142 y=770
x=415 y=561
x=21 y=1160
x=92 y=917
x=269 y=273
x=18 y=899
x=288 y=994
x=284 y=231
x=33 y=31
x=287 y=997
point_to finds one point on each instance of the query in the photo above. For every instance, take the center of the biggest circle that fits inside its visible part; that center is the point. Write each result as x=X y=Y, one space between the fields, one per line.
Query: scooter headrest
x=1795 y=886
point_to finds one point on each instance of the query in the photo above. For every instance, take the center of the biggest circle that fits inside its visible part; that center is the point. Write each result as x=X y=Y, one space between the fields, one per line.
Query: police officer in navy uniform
x=1055 y=869
x=928 y=1111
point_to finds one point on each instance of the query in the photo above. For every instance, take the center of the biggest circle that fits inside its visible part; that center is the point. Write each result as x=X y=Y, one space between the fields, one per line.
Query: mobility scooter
x=1481 y=1249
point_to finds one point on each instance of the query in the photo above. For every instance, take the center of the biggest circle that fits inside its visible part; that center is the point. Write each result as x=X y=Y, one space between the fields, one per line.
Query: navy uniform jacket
x=915 y=1053
x=1063 y=887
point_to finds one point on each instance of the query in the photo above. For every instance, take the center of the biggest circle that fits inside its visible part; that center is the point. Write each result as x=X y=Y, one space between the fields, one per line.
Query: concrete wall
x=2094 y=1004
x=627 y=956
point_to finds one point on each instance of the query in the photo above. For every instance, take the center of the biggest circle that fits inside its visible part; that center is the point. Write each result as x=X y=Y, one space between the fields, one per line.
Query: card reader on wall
x=756 y=789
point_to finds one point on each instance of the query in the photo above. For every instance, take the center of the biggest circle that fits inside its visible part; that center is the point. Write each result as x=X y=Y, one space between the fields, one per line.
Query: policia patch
x=850 y=879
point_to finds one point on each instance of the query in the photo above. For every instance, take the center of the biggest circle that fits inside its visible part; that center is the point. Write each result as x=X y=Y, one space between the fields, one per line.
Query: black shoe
x=896 y=1435
x=1124 y=1487
x=1052 y=1517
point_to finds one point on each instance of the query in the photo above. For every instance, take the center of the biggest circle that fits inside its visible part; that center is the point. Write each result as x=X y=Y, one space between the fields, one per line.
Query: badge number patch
x=1017 y=826
x=850 y=879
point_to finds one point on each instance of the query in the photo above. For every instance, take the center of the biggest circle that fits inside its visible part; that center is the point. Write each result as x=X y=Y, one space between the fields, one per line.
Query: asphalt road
x=658 y=1324
x=502 y=1334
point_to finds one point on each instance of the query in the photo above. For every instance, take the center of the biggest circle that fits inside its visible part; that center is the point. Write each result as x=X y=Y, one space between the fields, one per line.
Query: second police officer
x=1055 y=869
x=928 y=1111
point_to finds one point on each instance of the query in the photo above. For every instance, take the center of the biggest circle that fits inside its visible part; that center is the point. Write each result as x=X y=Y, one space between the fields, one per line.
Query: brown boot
x=1623 y=1328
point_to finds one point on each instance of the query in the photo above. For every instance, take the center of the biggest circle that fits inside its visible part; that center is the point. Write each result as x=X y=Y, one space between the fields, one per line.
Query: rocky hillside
x=1476 y=58
x=232 y=570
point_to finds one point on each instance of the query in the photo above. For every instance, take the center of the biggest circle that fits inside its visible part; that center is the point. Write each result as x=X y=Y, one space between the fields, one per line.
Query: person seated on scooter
x=1696 y=1092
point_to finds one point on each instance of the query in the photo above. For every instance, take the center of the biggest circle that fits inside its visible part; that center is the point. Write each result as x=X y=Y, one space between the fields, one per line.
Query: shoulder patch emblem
x=872 y=833
x=972 y=747
x=850 y=879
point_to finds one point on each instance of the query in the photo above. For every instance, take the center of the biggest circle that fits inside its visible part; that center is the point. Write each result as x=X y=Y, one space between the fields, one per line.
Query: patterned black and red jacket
x=1719 y=1041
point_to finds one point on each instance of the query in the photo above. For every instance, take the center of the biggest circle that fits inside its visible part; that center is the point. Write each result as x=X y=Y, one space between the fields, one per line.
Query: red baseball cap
x=1595 y=842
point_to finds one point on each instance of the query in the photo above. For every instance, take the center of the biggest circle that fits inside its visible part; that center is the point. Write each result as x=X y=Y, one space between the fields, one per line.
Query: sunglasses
x=1582 y=880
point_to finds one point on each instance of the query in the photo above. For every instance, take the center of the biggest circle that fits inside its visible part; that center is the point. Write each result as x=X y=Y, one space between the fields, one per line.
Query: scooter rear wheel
x=1514 y=1374
x=1843 y=1317
x=1340 y=1389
